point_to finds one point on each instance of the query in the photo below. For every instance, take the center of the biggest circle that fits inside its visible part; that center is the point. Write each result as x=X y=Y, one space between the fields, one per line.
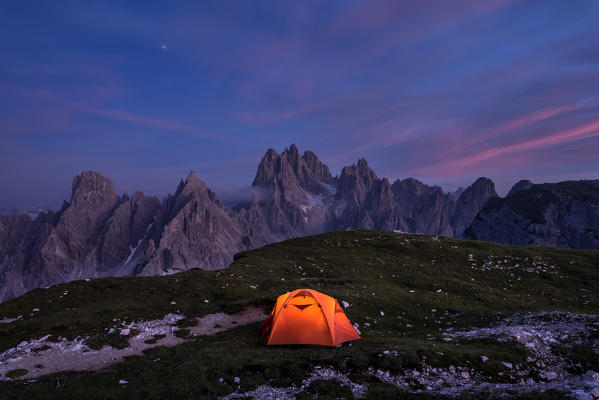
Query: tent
x=306 y=316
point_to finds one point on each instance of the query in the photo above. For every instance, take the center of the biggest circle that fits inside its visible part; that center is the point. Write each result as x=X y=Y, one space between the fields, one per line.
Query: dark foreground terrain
x=439 y=318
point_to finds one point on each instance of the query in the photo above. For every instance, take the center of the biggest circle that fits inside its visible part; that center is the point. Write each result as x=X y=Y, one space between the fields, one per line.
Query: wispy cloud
x=49 y=97
x=143 y=120
x=465 y=164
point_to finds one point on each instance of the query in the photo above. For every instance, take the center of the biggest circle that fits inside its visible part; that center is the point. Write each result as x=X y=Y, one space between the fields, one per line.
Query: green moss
x=15 y=373
x=182 y=333
x=155 y=339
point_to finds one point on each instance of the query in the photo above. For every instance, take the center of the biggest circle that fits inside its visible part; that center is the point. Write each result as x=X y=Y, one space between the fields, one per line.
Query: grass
x=15 y=373
x=155 y=339
x=405 y=276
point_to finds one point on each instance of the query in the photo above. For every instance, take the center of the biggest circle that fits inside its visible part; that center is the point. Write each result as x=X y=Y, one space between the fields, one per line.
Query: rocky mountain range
x=564 y=214
x=99 y=233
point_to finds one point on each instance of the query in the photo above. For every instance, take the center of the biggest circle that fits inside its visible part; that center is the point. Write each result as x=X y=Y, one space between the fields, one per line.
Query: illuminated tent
x=306 y=316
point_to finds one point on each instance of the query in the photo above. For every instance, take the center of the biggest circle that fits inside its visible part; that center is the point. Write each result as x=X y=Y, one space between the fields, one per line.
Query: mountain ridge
x=98 y=233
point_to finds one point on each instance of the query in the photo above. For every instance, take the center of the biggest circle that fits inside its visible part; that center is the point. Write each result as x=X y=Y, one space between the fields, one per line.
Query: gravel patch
x=268 y=392
x=64 y=355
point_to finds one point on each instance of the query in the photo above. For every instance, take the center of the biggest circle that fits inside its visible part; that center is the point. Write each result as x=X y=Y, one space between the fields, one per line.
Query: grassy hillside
x=404 y=291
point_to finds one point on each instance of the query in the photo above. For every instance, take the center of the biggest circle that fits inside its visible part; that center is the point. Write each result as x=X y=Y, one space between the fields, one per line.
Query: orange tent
x=306 y=316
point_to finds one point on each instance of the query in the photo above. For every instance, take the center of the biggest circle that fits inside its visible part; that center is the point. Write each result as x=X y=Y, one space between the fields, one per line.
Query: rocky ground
x=543 y=335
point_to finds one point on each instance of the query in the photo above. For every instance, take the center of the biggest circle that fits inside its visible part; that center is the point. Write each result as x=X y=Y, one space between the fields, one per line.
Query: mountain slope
x=564 y=214
x=196 y=231
x=416 y=299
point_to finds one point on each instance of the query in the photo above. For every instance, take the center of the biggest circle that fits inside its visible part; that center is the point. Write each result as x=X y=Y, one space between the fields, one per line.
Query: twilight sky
x=444 y=91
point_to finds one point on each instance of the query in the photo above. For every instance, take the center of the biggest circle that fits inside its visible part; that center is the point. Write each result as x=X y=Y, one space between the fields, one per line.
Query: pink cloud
x=534 y=117
x=461 y=165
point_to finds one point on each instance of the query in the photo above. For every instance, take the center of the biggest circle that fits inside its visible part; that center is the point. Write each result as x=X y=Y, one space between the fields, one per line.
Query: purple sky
x=444 y=91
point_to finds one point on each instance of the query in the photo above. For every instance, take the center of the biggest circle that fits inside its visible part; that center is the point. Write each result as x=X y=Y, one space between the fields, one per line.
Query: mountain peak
x=356 y=180
x=194 y=182
x=521 y=185
x=293 y=149
x=271 y=154
x=290 y=167
x=91 y=185
x=191 y=176
x=470 y=202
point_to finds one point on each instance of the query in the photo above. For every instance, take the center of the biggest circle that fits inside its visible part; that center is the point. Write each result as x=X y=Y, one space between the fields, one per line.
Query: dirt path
x=75 y=355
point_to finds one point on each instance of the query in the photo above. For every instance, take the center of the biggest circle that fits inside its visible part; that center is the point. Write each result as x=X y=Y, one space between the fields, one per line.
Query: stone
x=550 y=376
x=484 y=358
x=125 y=332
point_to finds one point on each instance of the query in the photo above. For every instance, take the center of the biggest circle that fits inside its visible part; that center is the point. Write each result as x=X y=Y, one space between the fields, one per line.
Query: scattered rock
x=550 y=376
x=123 y=382
x=484 y=358
x=125 y=332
